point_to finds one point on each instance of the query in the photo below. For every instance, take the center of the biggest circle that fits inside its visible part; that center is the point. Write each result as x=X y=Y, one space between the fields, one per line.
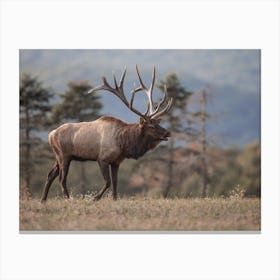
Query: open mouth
x=161 y=139
x=165 y=137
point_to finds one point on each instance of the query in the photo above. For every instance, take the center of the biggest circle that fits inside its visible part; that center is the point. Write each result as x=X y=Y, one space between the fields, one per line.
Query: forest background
x=215 y=123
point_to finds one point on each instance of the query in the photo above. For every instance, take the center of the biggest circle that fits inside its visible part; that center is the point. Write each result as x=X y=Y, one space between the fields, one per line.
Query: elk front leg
x=104 y=168
x=64 y=167
x=114 y=173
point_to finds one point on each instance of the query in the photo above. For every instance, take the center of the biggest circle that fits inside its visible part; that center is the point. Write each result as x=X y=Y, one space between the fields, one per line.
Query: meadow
x=141 y=214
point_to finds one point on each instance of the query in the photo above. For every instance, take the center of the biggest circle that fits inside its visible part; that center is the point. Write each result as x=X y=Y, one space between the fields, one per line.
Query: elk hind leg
x=51 y=176
x=104 y=167
x=63 y=172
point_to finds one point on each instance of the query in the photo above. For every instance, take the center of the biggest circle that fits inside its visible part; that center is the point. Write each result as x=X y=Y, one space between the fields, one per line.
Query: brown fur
x=133 y=141
x=107 y=140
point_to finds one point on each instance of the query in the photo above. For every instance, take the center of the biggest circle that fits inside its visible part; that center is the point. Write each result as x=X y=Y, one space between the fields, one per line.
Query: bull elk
x=108 y=140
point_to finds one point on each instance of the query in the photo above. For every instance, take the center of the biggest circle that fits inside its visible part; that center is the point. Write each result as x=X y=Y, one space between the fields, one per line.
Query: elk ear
x=158 y=120
x=142 y=121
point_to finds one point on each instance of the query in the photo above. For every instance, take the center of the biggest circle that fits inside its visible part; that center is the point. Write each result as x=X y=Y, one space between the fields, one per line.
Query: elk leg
x=64 y=167
x=51 y=176
x=114 y=174
x=104 y=167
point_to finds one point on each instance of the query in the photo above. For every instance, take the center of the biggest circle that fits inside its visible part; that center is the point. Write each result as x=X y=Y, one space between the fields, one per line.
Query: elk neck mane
x=132 y=141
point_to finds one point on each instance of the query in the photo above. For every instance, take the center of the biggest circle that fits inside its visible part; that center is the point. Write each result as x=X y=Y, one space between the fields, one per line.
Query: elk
x=108 y=140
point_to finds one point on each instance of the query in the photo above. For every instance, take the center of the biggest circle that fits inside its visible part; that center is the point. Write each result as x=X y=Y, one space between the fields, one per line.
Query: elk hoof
x=96 y=197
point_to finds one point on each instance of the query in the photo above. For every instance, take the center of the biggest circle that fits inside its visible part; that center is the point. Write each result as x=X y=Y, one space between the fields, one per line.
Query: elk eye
x=151 y=125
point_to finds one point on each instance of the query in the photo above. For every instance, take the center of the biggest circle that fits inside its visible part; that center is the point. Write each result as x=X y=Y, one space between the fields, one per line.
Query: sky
x=237 y=68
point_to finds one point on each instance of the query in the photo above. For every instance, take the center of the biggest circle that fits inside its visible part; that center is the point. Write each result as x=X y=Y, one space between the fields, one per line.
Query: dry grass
x=137 y=214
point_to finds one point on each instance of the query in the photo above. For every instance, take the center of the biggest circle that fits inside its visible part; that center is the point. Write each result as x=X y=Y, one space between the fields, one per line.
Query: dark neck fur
x=133 y=142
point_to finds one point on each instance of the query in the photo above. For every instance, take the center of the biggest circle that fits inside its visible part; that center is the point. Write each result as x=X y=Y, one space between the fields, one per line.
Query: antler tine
x=134 y=110
x=95 y=89
x=106 y=85
x=149 y=92
x=153 y=81
x=118 y=91
x=147 y=110
x=166 y=109
x=145 y=115
x=161 y=102
x=140 y=80
x=122 y=78
x=119 y=88
x=131 y=100
x=115 y=80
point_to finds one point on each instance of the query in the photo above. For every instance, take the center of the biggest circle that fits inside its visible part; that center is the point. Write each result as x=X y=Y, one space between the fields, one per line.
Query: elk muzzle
x=166 y=136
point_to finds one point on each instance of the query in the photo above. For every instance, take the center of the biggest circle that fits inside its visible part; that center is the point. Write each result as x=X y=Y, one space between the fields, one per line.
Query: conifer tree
x=34 y=107
x=77 y=105
x=174 y=121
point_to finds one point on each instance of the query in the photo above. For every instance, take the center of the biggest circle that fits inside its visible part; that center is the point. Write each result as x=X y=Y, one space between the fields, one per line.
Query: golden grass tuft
x=140 y=214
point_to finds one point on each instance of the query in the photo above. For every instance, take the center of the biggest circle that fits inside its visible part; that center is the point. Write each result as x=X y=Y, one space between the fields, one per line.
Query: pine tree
x=174 y=121
x=34 y=106
x=77 y=105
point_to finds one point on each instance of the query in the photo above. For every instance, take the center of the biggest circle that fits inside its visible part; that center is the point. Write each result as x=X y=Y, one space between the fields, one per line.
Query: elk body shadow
x=108 y=140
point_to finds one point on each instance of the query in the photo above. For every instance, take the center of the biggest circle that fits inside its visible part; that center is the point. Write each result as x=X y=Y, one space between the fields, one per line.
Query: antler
x=149 y=91
x=152 y=111
x=156 y=114
x=118 y=91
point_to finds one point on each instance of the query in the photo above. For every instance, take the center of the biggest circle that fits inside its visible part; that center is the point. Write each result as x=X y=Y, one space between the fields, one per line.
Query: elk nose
x=167 y=134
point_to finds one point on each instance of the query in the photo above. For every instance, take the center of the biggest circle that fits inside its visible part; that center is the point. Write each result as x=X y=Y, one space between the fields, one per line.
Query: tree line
x=187 y=166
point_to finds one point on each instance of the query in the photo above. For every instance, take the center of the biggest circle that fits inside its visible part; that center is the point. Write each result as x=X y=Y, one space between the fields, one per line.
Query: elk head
x=150 y=120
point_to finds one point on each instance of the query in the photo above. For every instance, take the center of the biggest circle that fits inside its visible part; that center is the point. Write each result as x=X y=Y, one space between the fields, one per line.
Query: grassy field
x=137 y=214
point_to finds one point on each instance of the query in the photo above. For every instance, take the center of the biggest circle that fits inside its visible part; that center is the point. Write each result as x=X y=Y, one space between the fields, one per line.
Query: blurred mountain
x=237 y=116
